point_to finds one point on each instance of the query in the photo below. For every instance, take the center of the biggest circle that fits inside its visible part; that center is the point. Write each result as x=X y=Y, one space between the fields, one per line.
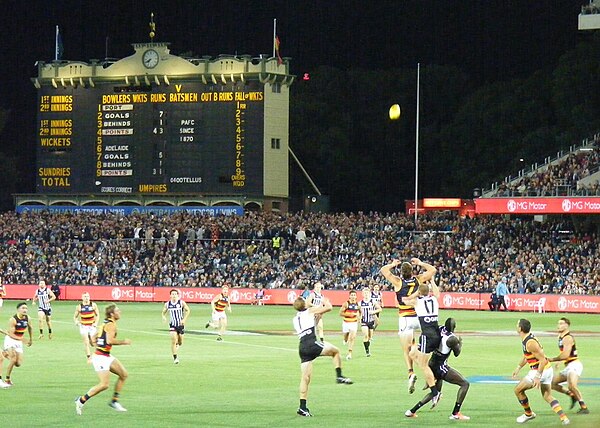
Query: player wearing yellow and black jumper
x=350 y=312
x=540 y=374
x=86 y=317
x=404 y=286
x=219 y=318
x=13 y=342
x=104 y=363
x=573 y=366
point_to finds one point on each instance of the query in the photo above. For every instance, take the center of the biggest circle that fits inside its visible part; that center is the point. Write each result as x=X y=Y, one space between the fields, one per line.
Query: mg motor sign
x=282 y=296
x=122 y=294
x=537 y=205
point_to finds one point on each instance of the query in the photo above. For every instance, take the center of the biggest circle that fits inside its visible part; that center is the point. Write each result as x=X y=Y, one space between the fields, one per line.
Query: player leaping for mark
x=407 y=321
x=425 y=302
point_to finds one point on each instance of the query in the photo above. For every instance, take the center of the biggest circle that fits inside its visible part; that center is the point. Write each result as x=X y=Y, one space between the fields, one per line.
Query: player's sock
x=49 y=331
x=525 y=405
x=41 y=331
x=556 y=407
x=434 y=390
x=338 y=371
x=417 y=407
x=174 y=356
x=582 y=404
x=303 y=404
x=322 y=339
x=367 y=345
x=456 y=409
x=410 y=372
x=115 y=397
x=84 y=398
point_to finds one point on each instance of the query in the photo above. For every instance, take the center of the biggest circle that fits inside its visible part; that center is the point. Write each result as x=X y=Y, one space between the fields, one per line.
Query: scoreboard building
x=160 y=129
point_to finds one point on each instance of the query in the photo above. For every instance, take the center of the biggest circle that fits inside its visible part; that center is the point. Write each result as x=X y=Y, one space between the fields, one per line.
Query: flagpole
x=274 y=34
x=56 y=45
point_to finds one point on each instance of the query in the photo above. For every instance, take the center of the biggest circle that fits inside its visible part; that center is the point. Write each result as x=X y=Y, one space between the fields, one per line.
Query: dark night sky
x=490 y=39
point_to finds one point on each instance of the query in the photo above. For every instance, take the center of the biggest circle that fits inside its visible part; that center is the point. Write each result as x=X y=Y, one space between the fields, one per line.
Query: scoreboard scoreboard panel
x=185 y=137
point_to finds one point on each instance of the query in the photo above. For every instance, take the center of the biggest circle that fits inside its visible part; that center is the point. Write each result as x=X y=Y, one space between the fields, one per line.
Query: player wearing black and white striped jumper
x=450 y=343
x=43 y=296
x=425 y=301
x=178 y=313
x=315 y=298
x=310 y=347
x=368 y=310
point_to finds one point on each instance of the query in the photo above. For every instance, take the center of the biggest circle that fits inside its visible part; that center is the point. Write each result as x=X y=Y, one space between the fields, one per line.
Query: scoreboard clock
x=157 y=123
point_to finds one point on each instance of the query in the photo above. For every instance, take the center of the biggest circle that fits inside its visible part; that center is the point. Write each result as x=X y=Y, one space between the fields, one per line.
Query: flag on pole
x=59 y=49
x=279 y=60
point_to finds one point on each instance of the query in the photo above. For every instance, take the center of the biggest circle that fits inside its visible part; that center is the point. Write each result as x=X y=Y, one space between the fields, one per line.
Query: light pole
x=395 y=115
x=417 y=149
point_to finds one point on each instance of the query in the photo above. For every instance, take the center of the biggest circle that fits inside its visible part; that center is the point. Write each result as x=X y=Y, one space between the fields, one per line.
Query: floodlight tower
x=589 y=18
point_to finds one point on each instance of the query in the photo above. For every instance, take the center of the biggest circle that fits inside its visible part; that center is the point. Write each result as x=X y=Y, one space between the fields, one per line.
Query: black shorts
x=439 y=371
x=310 y=350
x=178 y=328
x=428 y=343
x=47 y=312
x=371 y=325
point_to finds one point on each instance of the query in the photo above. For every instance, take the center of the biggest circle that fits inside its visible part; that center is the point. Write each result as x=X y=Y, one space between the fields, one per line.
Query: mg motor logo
x=562 y=301
x=511 y=205
x=291 y=296
x=447 y=300
x=566 y=205
x=116 y=293
x=235 y=296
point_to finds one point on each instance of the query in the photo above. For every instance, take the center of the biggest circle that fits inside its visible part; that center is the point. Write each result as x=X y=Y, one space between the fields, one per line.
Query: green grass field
x=251 y=380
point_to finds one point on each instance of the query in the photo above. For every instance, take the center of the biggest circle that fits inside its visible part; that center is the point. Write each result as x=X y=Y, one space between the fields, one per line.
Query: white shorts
x=1 y=301
x=10 y=343
x=408 y=323
x=573 y=366
x=102 y=362
x=88 y=330
x=348 y=327
x=546 y=379
x=216 y=316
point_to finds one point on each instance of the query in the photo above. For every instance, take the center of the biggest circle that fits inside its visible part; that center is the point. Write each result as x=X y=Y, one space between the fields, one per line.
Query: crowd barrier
x=472 y=301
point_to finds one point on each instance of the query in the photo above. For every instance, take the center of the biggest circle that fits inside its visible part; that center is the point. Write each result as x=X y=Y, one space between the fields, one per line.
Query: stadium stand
x=343 y=251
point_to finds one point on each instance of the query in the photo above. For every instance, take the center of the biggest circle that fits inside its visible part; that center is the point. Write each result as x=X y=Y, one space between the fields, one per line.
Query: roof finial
x=152 y=27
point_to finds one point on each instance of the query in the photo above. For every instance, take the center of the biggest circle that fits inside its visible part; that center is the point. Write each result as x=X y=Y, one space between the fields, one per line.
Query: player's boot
x=345 y=380
x=459 y=417
x=304 y=412
x=436 y=399
x=412 y=380
x=524 y=418
x=410 y=414
x=117 y=406
x=78 y=406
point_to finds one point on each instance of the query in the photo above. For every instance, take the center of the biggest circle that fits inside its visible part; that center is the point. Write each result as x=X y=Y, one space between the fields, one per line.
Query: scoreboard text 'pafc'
x=185 y=137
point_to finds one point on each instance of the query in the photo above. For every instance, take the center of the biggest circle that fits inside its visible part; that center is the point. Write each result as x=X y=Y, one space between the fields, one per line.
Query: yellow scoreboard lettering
x=153 y=188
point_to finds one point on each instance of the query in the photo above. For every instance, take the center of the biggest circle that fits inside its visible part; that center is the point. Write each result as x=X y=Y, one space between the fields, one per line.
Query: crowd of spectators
x=560 y=179
x=343 y=251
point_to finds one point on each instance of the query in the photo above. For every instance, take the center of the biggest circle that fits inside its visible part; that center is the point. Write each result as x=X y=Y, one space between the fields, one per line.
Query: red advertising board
x=559 y=205
x=471 y=301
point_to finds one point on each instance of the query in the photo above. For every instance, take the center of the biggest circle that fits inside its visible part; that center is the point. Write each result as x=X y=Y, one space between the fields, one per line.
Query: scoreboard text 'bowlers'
x=182 y=138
